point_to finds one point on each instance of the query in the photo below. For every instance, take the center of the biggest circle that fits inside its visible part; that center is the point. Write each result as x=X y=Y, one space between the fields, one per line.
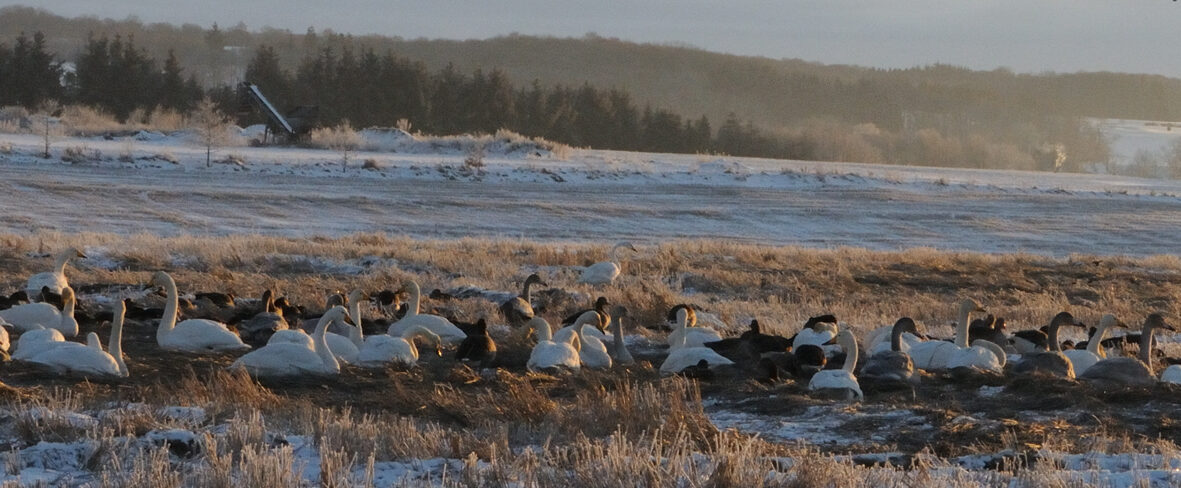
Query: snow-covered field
x=587 y=196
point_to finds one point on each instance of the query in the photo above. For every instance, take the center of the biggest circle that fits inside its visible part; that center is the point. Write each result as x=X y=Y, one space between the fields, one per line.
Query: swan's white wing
x=34 y=342
x=1081 y=359
x=932 y=355
x=291 y=336
x=442 y=327
x=1172 y=374
x=549 y=354
x=381 y=349
x=600 y=273
x=342 y=347
x=974 y=357
x=29 y=316
x=594 y=353
x=835 y=379
x=54 y=280
x=282 y=359
x=72 y=357
x=201 y=335
x=813 y=337
x=679 y=359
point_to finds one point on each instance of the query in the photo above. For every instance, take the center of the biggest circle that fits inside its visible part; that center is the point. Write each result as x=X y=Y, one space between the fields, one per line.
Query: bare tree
x=212 y=127
x=341 y=138
x=44 y=123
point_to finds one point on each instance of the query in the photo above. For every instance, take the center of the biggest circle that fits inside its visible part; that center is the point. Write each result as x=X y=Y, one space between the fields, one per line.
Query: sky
x=1140 y=36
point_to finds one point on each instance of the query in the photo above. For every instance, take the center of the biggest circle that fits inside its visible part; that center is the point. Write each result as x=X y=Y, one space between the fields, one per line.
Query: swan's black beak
x=438 y=351
x=81 y=254
x=348 y=319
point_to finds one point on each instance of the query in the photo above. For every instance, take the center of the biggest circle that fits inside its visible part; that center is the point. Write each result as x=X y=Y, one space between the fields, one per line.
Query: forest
x=611 y=94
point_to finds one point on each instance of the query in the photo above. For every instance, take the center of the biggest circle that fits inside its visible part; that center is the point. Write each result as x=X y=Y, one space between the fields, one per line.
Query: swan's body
x=289 y=359
x=619 y=350
x=604 y=272
x=36 y=341
x=894 y=364
x=1130 y=371
x=88 y=359
x=1083 y=359
x=591 y=351
x=55 y=280
x=840 y=381
x=193 y=335
x=380 y=350
x=440 y=326
x=292 y=336
x=1172 y=374
x=681 y=356
x=818 y=334
x=552 y=352
x=685 y=336
x=32 y=316
x=1052 y=362
x=938 y=355
x=518 y=310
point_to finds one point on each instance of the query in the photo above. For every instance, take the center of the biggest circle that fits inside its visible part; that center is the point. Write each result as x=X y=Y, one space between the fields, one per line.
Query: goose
x=932 y=355
x=552 y=352
x=88 y=359
x=286 y=359
x=1130 y=371
x=1083 y=359
x=991 y=329
x=893 y=365
x=478 y=346
x=738 y=348
x=683 y=356
x=1031 y=341
x=591 y=351
x=1052 y=362
x=685 y=336
x=55 y=299
x=32 y=315
x=518 y=310
x=217 y=299
x=56 y=279
x=391 y=303
x=192 y=335
x=16 y=298
x=619 y=350
x=840 y=381
x=381 y=349
x=604 y=316
x=604 y=272
x=671 y=316
x=442 y=327
x=258 y=329
x=817 y=331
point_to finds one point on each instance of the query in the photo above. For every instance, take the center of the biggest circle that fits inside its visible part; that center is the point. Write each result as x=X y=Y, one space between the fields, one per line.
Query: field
x=741 y=239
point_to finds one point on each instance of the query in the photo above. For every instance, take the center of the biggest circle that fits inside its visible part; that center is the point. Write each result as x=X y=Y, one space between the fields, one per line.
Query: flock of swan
x=273 y=339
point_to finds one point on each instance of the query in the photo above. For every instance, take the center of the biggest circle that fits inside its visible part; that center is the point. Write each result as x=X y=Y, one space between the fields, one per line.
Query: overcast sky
x=1024 y=35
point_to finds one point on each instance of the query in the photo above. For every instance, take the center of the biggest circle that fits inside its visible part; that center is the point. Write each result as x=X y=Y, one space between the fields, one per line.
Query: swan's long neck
x=168 y=321
x=420 y=332
x=60 y=265
x=849 y=344
x=992 y=347
x=896 y=338
x=961 y=328
x=68 y=307
x=356 y=334
x=115 y=343
x=541 y=328
x=1094 y=345
x=525 y=292
x=321 y=345
x=1052 y=335
x=1146 y=346
x=617 y=332
x=415 y=296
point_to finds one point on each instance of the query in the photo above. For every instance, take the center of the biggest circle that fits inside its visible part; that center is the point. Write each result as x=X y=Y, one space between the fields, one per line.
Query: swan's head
x=1157 y=321
x=1065 y=318
x=161 y=279
x=73 y=252
x=339 y=314
x=589 y=317
x=625 y=245
x=337 y=298
x=120 y=308
x=906 y=324
x=410 y=287
x=846 y=337
x=534 y=279
x=357 y=295
x=969 y=305
x=1109 y=321
x=619 y=311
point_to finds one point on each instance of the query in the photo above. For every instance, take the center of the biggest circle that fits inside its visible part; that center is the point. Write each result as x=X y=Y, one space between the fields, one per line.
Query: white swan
x=4 y=341
x=893 y=364
x=380 y=350
x=292 y=336
x=604 y=272
x=685 y=336
x=32 y=316
x=591 y=351
x=932 y=355
x=519 y=309
x=840 y=380
x=552 y=352
x=619 y=350
x=442 y=327
x=193 y=335
x=1083 y=359
x=56 y=279
x=88 y=359
x=287 y=359
x=35 y=341
x=681 y=356
x=1130 y=371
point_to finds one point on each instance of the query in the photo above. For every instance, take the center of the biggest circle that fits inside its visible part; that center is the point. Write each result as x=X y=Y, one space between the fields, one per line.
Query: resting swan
x=1053 y=362
x=840 y=381
x=681 y=356
x=193 y=335
x=442 y=327
x=591 y=351
x=380 y=350
x=552 y=352
x=519 y=309
x=604 y=272
x=1083 y=359
x=619 y=350
x=893 y=365
x=55 y=280
x=685 y=336
x=286 y=359
x=1130 y=371
x=933 y=355
x=817 y=331
x=88 y=359
x=32 y=316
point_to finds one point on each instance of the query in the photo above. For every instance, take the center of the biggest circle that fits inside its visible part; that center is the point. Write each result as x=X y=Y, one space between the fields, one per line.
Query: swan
x=35 y=341
x=292 y=336
x=840 y=381
x=991 y=329
x=1052 y=362
x=193 y=335
x=16 y=298
x=1083 y=359
x=4 y=341
x=31 y=315
x=56 y=279
x=478 y=346
x=347 y=348
x=683 y=356
x=604 y=317
x=604 y=272
x=619 y=350
x=685 y=336
x=552 y=352
x=817 y=331
x=442 y=327
x=1130 y=371
x=286 y=359
x=88 y=359
x=380 y=350
x=932 y=355
x=591 y=351
x=519 y=309
x=893 y=365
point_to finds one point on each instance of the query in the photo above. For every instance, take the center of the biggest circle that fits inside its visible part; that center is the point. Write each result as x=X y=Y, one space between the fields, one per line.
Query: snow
x=424 y=189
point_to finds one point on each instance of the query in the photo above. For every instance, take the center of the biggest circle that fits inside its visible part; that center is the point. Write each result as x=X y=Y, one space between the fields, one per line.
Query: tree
x=211 y=125
x=340 y=138
x=44 y=119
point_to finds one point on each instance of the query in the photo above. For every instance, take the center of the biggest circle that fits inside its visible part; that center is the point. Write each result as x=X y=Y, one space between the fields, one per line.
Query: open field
x=444 y=424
